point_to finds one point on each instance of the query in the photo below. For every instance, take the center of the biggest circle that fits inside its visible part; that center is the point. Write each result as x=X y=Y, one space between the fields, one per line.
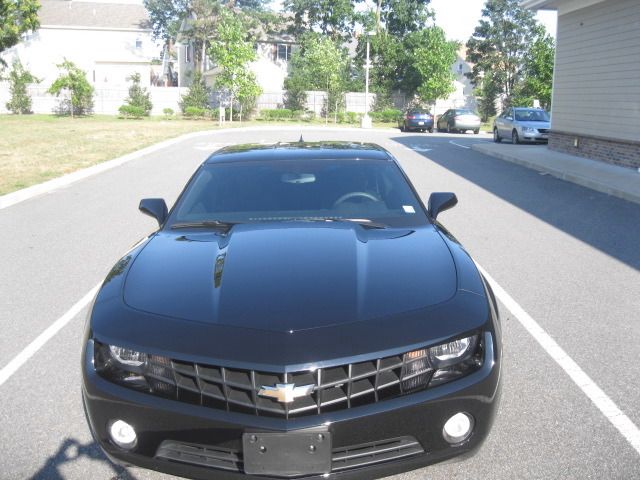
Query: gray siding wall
x=596 y=87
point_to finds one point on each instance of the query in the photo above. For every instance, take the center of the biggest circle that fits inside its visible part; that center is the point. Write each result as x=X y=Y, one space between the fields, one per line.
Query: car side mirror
x=441 y=201
x=154 y=207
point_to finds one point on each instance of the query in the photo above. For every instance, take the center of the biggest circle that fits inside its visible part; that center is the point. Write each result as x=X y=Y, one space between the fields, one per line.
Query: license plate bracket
x=287 y=454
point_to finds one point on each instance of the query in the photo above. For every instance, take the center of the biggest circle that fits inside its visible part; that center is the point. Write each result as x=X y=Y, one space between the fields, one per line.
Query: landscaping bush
x=19 y=78
x=74 y=82
x=275 y=114
x=197 y=96
x=139 y=97
x=196 y=112
x=168 y=113
x=131 y=111
x=388 y=115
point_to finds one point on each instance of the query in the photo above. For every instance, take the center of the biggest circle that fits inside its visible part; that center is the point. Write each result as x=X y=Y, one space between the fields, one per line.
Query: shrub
x=197 y=96
x=196 y=112
x=168 y=112
x=19 y=78
x=138 y=96
x=80 y=90
x=131 y=111
x=275 y=114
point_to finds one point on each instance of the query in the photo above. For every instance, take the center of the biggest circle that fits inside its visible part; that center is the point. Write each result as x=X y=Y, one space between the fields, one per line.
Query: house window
x=283 y=52
x=187 y=53
x=138 y=43
x=460 y=67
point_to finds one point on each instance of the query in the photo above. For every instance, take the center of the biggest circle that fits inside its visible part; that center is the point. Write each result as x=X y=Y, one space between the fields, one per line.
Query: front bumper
x=534 y=136
x=396 y=435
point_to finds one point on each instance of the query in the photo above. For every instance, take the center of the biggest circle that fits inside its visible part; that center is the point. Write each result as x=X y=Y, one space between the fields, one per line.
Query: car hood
x=288 y=278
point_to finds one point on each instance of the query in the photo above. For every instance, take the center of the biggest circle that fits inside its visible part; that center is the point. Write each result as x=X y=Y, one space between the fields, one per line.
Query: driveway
x=566 y=258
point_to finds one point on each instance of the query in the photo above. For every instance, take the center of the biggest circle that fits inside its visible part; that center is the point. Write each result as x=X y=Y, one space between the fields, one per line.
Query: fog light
x=123 y=434
x=458 y=428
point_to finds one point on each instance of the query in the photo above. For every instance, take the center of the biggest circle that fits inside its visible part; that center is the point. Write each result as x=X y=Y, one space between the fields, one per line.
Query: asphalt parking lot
x=567 y=260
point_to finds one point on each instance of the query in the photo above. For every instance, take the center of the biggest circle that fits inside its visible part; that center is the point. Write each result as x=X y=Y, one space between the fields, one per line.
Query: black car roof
x=300 y=150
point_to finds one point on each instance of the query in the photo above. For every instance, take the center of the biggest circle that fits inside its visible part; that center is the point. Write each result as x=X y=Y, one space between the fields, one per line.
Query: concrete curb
x=564 y=172
x=19 y=196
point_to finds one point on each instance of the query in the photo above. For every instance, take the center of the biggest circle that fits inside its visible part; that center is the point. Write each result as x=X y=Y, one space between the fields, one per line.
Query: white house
x=109 y=41
x=462 y=96
x=595 y=109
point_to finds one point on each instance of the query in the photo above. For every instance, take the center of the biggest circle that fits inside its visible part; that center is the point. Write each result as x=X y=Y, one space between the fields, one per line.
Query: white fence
x=108 y=100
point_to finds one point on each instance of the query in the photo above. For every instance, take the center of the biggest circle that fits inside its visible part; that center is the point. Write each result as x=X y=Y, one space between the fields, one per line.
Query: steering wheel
x=350 y=195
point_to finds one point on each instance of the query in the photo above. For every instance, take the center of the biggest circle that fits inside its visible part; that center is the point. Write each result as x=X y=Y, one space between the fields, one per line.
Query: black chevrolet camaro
x=299 y=313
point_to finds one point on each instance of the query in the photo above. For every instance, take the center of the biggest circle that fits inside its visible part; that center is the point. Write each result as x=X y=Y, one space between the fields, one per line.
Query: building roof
x=69 y=13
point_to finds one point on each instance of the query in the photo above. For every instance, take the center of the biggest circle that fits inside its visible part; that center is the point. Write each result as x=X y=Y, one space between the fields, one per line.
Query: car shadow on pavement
x=71 y=450
x=605 y=222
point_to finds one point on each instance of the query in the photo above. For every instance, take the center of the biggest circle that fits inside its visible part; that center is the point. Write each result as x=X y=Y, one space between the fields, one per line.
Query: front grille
x=335 y=388
x=343 y=458
x=543 y=130
x=330 y=389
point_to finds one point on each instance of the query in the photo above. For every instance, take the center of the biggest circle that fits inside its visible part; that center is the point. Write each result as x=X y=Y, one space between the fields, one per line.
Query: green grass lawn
x=36 y=148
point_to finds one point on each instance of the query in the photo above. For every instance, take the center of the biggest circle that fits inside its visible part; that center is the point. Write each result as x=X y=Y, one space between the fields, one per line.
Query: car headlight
x=130 y=368
x=441 y=363
x=528 y=129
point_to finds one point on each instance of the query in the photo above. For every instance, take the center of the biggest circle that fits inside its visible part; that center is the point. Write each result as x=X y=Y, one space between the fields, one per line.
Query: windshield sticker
x=408 y=209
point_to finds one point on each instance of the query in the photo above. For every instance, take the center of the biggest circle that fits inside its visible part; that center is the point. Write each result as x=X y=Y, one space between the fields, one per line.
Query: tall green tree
x=74 y=81
x=432 y=58
x=232 y=50
x=19 y=78
x=320 y=64
x=487 y=93
x=500 y=43
x=16 y=17
x=401 y=17
x=538 y=72
x=334 y=18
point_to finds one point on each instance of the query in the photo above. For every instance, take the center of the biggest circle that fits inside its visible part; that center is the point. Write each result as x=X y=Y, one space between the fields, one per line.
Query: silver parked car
x=522 y=125
x=459 y=120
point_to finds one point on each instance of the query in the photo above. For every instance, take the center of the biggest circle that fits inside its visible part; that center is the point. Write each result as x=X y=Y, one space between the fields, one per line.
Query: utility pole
x=366 y=119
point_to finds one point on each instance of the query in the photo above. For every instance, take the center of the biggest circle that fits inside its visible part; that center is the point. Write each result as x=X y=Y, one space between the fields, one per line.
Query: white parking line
x=20 y=359
x=599 y=398
x=457 y=144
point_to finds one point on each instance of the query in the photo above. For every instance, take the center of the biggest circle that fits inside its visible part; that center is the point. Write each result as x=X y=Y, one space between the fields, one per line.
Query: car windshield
x=532 y=115
x=308 y=190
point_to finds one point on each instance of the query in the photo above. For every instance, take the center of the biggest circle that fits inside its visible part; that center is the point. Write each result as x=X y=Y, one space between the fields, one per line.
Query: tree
x=319 y=64
x=401 y=17
x=16 y=17
x=74 y=81
x=19 y=78
x=500 y=43
x=232 y=51
x=538 y=72
x=432 y=57
x=488 y=92
x=198 y=94
x=334 y=18
x=139 y=96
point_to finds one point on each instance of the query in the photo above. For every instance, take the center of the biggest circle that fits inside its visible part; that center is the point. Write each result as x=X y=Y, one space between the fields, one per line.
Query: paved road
x=568 y=255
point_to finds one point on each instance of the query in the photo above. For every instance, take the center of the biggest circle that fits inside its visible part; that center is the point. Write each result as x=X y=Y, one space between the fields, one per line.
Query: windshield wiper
x=212 y=224
x=363 y=222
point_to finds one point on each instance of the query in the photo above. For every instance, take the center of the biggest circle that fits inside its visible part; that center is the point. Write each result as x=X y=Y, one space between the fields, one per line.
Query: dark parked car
x=299 y=312
x=416 y=119
x=457 y=120
x=522 y=125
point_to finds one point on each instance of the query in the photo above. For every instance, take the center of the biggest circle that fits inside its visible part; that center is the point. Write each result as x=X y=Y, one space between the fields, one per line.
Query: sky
x=458 y=18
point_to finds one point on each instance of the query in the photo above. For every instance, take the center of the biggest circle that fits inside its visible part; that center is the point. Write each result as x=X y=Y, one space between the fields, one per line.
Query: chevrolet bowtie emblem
x=285 y=392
